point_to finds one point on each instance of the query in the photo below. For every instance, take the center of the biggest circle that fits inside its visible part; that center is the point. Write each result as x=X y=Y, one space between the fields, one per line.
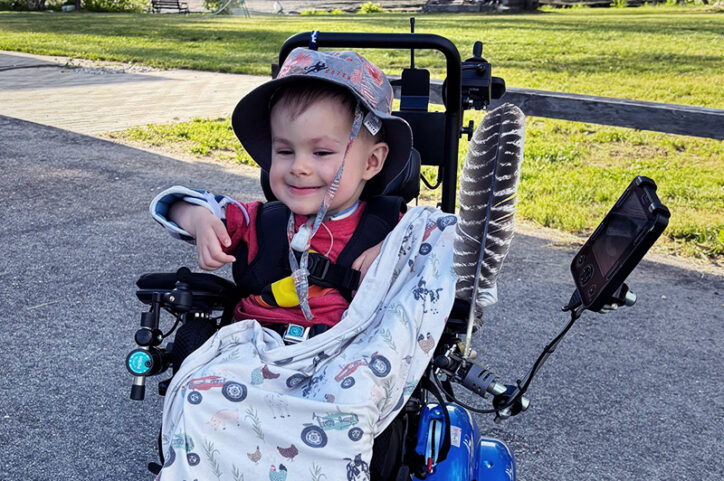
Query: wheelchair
x=419 y=443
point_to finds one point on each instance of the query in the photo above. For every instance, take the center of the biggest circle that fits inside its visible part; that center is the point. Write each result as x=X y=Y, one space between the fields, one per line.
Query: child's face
x=307 y=151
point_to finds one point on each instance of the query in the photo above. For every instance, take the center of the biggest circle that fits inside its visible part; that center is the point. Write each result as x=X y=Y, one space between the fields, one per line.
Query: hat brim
x=252 y=126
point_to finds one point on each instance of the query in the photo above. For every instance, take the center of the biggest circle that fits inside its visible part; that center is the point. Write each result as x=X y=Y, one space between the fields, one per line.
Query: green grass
x=657 y=54
x=572 y=172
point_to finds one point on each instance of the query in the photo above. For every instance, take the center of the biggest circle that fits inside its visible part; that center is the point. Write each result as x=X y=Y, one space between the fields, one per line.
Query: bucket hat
x=369 y=85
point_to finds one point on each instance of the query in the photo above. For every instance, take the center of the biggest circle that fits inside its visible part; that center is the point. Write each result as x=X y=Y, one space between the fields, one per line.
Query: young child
x=324 y=133
x=258 y=408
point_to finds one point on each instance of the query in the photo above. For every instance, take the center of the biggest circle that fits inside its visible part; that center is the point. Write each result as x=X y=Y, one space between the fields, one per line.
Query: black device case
x=618 y=244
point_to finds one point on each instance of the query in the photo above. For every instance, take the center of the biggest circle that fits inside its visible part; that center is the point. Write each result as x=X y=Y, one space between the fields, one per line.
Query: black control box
x=619 y=243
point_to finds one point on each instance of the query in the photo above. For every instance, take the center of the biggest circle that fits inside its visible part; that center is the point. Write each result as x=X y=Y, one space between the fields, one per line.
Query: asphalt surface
x=636 y=394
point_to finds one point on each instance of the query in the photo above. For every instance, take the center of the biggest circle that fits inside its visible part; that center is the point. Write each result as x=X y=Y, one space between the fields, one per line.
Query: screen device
x=618 y=244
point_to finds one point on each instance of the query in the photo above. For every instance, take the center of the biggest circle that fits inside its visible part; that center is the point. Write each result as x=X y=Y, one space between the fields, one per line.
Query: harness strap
x=380 y=216
x=326 y=273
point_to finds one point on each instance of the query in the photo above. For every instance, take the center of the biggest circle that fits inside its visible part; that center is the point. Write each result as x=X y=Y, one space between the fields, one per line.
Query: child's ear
x=376 y=159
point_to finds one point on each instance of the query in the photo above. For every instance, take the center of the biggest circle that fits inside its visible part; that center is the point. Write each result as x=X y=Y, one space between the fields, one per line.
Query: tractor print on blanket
x=312 y=386
x=233 y=391
x=185 y=443
x=314 y=436
x=295 y=380
x=446 y=221
x=357 y=469
x=378 y=364
x=441 y=223
x=319 y=358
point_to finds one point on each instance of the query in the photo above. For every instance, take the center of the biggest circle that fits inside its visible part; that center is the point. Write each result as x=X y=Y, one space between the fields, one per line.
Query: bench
x=158 y=5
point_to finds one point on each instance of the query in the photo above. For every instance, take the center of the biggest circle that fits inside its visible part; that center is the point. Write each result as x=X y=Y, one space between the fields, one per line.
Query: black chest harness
x=271 y=263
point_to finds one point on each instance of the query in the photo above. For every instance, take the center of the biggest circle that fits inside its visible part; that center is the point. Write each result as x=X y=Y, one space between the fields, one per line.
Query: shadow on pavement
x=14 y=76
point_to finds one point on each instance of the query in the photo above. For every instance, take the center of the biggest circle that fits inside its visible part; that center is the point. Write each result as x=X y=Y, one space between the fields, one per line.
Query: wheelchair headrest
x=405 y=185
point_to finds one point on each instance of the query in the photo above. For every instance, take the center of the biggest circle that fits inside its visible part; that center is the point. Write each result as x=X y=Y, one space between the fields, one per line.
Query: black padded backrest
x=405 y=185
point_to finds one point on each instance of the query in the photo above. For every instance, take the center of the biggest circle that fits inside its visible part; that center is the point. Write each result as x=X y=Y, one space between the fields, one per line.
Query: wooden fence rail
x=634 y=114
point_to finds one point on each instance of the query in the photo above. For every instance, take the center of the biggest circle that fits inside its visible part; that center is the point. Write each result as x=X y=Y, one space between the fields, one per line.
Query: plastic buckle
x=319 y=266
x=295 y=334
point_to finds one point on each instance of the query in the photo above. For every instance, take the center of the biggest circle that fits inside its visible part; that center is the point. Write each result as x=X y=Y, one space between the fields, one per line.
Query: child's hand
x=364 y=261
x=210 y=236
x=209 y=232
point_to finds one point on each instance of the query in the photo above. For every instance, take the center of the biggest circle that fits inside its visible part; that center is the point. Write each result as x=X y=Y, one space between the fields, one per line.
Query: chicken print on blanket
x=258 y=409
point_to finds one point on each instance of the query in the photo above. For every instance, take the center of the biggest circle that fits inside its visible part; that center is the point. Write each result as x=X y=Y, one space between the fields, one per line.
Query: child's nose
x=301 y=165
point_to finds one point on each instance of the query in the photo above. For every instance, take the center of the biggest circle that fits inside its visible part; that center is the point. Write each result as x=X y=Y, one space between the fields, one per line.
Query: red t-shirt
x=327 y=304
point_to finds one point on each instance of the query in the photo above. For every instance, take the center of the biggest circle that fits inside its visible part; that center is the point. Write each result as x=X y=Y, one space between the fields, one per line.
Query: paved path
x=93 y=98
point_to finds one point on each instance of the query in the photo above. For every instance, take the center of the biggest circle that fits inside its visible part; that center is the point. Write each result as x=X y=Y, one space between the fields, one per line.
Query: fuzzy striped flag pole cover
x=487 y=197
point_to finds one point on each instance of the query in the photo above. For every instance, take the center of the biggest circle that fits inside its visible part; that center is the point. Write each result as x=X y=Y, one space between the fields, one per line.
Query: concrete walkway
x=94 y=97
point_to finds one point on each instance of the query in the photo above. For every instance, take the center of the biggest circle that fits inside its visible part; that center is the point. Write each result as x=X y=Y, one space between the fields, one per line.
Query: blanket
x=245 y=406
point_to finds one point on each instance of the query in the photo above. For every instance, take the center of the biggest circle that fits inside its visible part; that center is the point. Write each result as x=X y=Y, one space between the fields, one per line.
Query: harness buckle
x=318 y=266
x=295 y=334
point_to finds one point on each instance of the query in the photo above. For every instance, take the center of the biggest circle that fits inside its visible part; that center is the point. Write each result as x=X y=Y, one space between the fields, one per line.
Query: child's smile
x=307 y=150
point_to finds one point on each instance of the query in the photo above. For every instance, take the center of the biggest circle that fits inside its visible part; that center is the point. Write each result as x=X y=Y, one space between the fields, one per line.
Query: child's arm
x=196 y=216
x=365 y=260
x=208 y=230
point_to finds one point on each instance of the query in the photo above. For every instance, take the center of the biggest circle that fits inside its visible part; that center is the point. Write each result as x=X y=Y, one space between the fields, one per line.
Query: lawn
x=572 y=172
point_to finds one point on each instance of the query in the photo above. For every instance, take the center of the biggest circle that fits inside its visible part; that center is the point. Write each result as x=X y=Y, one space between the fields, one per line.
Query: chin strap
x=302 y=240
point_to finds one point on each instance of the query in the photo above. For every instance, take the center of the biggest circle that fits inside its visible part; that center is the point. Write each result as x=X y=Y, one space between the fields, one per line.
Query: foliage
x=312 y=12
x=619 y=3
x=369 y=7
x=26 y=5
x=213 y=5
x=128 y=6
x=14 y=5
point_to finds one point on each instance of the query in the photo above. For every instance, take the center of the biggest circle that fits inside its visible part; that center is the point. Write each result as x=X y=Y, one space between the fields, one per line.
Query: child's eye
x=284 y=152
x=322 y=153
